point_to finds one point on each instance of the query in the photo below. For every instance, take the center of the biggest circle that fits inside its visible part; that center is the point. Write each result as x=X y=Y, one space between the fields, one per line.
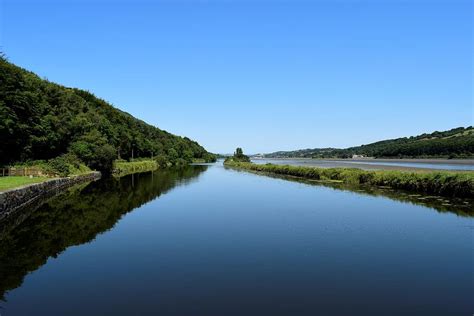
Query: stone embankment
x=14 y=199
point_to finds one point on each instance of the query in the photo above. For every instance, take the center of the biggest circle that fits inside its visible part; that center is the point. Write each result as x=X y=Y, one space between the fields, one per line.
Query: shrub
x=162 y=161
x=96 y=154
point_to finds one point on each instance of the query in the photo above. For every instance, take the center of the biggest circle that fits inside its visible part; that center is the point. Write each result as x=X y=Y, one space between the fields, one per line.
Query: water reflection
x=236 y=244
x=458 y=206
x=76 y=217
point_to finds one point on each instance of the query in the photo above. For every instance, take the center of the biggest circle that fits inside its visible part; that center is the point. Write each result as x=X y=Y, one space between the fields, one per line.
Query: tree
x=94 y=150
x=239 y=155
x=43 y=120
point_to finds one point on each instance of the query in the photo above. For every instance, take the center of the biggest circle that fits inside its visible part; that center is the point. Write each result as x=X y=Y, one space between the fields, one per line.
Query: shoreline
x=17 y=198
x=458 y=206
x=123 y=168
x=467 y=161
x=417 y=164
x=441 y=182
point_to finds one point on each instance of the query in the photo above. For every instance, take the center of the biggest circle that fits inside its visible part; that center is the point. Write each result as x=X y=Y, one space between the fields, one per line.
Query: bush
x=64 y=165
x=162 y=161
x=180 y=162
x=60 y=165
x=94 y=150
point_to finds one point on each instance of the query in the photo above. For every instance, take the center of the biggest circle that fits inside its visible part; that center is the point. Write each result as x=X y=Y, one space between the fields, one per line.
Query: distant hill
x=455 y=143
x=41 y=120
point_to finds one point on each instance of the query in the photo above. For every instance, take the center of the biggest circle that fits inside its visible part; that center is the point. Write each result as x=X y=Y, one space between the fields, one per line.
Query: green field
x=13 y=182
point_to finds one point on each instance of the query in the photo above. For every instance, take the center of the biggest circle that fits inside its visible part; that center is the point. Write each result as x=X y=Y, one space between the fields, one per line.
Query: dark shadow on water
x=75 y=217
x=461 y=207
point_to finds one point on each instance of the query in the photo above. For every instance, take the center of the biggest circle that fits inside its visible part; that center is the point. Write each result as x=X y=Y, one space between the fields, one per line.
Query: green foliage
x=208 y=157
x=40 y=120
x=162 y=161
x=238 y=156
x=173 y=155
x=180 y=162
x=93 y=149
x=64 y=165
x=122 y=167
x=455 y=143
x=453 y=184
x=68 y=164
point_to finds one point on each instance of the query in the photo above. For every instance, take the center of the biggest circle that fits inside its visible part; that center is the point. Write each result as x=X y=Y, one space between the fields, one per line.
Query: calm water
x=212 y=241
x=375 y=164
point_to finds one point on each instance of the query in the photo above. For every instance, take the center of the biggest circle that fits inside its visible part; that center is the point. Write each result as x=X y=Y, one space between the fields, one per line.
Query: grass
x=452 y=184
x=57 y=167
x=7 y=183
x=127 y=167
x=199 y=160
x=79 y=170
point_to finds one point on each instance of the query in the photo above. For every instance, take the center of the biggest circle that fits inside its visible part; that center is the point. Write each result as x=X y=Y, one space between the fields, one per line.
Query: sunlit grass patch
x=7 y=183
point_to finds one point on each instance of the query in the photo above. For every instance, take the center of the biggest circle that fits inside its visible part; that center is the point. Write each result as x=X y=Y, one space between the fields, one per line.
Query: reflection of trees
x=77 y=216
x=458 y=206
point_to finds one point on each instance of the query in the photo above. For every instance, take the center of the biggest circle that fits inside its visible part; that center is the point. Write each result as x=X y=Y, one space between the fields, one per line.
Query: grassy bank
x=452 y=184
x=7 y=183
x=201 y=160
x=122 y=167
x=62 y=166
x=456 y=205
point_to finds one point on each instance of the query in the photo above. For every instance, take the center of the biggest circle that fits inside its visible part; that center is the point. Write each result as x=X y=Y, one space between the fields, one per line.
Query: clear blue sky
x=264 y=75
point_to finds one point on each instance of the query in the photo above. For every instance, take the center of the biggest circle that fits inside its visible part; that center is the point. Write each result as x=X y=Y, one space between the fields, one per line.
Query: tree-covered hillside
x=455 y=143
x=40 y=120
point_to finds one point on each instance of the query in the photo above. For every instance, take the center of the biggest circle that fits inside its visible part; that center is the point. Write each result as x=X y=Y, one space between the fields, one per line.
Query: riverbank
x=414 y=160
x=122 y=168
x=375 y=164
x=13 y=199
x=468 y=161
x=444 y=183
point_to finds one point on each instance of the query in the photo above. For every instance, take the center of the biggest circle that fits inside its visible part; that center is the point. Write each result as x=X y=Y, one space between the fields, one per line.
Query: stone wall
x=14 y=199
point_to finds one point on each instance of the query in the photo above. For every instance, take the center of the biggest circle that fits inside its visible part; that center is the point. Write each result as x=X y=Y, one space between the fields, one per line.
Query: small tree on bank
x=239 y=155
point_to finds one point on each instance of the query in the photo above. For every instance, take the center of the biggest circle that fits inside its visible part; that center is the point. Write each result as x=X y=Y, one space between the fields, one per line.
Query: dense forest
x=41 y=120
x=455 y=143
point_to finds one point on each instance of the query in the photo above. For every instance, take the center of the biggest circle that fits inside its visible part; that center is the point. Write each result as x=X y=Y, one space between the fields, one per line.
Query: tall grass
x=452 y=184
x=122 y=167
